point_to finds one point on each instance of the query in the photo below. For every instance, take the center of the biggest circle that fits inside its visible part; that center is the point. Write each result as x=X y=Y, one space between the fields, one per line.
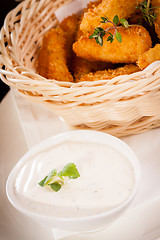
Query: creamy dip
x=106 y=180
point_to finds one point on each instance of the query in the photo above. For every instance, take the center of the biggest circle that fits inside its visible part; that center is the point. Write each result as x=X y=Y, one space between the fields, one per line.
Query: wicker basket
x=122 y=106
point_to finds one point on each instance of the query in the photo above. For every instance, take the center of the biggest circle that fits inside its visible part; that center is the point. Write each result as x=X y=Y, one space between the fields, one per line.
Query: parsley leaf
x=48 y=178
x=70 y=171
x=55 y=180
x=55 y=186
x=41 y=183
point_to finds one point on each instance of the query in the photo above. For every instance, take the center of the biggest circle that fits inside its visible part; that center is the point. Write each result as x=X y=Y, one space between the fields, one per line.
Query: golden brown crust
x=135 y=41
x=70 y=26
x=135 y=18
x=82 y=67
x=152 y=55
x=52 y=59
x=108 y=8
x=110 y=73
x=156 y=6
x=92 y=5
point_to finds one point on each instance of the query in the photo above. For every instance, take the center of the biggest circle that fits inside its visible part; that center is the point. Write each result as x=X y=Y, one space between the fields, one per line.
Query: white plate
x=140 y=222
x=22 y=125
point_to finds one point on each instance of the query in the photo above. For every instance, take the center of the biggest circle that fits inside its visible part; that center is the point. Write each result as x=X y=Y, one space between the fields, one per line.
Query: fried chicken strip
x=52 y=59
x=156 y=6
x=108 y=8
x=92 y=5
x=56 y=52
x=152 y=55
x=78 y=66
x=135 y=41
x=82 y=67
x=70 y=26
x=136 y=18
x=110 y=73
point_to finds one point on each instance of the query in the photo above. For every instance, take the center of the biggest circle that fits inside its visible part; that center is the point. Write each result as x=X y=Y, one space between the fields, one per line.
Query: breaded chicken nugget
x=110 y=73
x=52 y=59
x=92 y=5
x=70 y=26
x=108 y=8
x=82 y=67
x=136 y=18
x=135 y=41
x=79 y=66
x=152 y=55
x=156 y=6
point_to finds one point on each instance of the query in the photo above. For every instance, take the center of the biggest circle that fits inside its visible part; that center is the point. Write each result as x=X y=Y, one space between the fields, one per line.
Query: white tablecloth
x=24 y=124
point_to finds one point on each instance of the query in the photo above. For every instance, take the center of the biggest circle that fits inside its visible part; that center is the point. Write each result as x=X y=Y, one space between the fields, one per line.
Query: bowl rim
x=133 y=160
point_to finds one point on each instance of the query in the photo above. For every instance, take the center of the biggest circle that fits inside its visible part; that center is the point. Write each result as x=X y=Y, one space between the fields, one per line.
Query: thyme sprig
x=147 y=12
x=100 y=32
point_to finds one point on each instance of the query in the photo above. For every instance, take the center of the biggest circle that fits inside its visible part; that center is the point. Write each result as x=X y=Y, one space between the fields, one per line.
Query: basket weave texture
x=122 y=106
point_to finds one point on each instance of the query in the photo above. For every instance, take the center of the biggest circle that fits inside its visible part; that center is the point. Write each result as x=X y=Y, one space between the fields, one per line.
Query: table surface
x=24 y=124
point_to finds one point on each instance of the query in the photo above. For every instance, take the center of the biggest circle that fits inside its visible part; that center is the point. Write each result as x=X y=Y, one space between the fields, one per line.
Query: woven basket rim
x=69 y=84
x=124 y=105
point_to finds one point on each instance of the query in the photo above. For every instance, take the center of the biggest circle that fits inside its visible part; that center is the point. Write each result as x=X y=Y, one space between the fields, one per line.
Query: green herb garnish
x=70 y=171
x=55 y=180
x=99 y=32
x=147 y=12
x=55 y=186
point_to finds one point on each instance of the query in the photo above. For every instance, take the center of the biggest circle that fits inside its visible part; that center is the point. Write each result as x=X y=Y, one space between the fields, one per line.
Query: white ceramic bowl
x=76 y=224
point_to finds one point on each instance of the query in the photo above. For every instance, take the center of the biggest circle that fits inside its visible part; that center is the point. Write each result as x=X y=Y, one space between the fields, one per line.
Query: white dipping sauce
x=106 y=180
